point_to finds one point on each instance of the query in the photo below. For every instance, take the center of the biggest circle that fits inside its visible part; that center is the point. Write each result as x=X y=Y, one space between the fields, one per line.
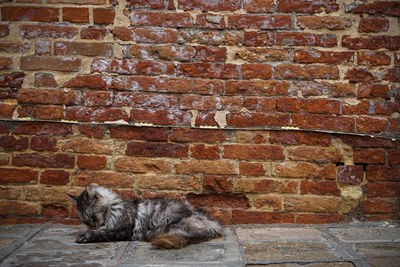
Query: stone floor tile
x=279 y=234
x=367 y=234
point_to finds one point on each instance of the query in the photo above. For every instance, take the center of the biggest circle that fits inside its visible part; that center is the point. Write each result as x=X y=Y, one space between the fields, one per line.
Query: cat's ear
x=74 y=198
x=90 y=190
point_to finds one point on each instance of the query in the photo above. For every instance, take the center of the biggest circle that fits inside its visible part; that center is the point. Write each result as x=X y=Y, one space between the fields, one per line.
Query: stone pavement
x=370 y=244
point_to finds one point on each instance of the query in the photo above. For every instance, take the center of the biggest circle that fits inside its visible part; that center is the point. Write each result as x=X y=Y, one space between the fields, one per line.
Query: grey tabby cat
x=167 y=223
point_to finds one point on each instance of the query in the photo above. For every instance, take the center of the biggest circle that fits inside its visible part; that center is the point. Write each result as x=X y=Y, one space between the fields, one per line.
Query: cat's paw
x=83 y=238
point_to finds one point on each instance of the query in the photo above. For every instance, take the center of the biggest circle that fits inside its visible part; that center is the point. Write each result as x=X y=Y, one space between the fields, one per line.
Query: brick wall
x=259 y=111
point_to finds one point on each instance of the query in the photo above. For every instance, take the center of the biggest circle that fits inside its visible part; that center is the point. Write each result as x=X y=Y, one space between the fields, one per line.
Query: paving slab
x=315 y=264
x=367 y=234
x=279 y=234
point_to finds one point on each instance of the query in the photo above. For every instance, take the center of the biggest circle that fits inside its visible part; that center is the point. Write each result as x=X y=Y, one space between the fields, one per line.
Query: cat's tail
x=170 y=241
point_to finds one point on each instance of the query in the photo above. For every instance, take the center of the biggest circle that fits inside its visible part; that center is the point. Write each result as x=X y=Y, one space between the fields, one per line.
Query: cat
x=166 y=223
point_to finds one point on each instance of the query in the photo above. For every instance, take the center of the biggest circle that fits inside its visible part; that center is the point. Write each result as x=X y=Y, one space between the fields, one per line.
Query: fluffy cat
x=167 y=223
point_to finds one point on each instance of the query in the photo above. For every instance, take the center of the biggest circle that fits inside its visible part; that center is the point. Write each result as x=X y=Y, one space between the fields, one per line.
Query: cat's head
x=93 y=205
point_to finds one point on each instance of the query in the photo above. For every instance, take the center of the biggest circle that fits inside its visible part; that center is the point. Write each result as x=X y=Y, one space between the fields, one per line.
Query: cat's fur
x=167 y=223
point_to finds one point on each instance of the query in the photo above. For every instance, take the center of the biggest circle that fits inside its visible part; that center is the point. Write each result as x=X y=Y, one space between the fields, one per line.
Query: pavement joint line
x=339 y=242
x=24 y=242
x=241 y=253
x=125 y=252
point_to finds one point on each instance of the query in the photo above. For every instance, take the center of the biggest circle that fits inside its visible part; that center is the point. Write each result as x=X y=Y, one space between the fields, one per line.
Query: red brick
x=47 y=31
x=162 y=19
x=29 y=13
x=50 y=63
x=4 y=30
x=204 y=53
x=79 y=2
x=260 y=217
x=311 y=88
x=48 y=112
x=8 y=175
x=44 y=143
x=83 y=48
x=128 y=66
x=316 y=154
x=394 y=157
x=371 y=125
x=41 y=96
x=225 y=201
x=370 y=155
x=14 y=47
x=206 y=118
x=210 y=21
x=206 y=87
x=158 y=84
x=215 y=38
x=371 y=42
x=319 y=188
x=37 y=128
x=299 y=138
x=305 y=170
x=144 y=35
x=251 y=71
x=374 y=58
x=314 y=204
x=200 y=151
x=19 y=208
x=96 y=82
x=6 y=111
x=328 y=57
x=259 y=38
x=251 y=169
x=260 y=104
x=217 y=5
x=161 y=117
x=142 y=4
x=103 y=15
x=392 y=75
x=364 y=141
x=43 y=79
x=308 y=72
x=326 y=122
x=318 y=218
x=56 y=177
x=217 y=183
x=383 y=173
x=14 y=79
x=6 y=63
x=93 y=33
x=157 y=150
x=257 y=119
x=383 y=189
x=220 y=167
x=54 y=212
x=41 y=161
x=96 y=114
x=324 y=22
x=259 y=6
x=305 y=6
x=306 y=39
x=97 y=99
x=208 y=70
x=76 y=14
x=257 y=87
x=104 y=178
x=322 y=106
x=246 y=152
x=91 y=162
x=263 y=22
x=10 y=143
x=197 y=135
x=368 y=90
x=139 y=133
x=380 y=206
x=373 y=24
x=389 y=8
x=145 y=101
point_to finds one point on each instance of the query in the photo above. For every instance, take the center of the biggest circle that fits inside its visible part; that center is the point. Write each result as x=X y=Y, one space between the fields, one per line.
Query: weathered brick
x=96 y=82
x=139 y=133
x=259 y=6
x=103 y=15
x=265 y=186
x=319 y=218
x=370 y=125
x=155 y=182
x=197 y=135
x=392 y=75
x=364 y=141
x=383 y=189
x=370 y=155
x=383 y=173
x=56 y=177
x=349 y=174
x=394 y=157
x=263 y=22
x=389 y=8
x=144 y=35
x=380 y=206
x=43 y=79
x=91 y=162
x=17 y=175
x=96 y=114
x=257 y=119
x=29 y=13
x=251 y=71
x=104 y=178
x=210 y=21
x=93 y=33
x=83 y=48
x=315 y=204
x=19 y=208
x=204 y=53
x=44 y=143
x=145 y=101
x=161 y=117
x=200 y=151
x=321 y=106
x=259 y=38
x=300 y=138
x=142 y=4
x=11 y=143
x=374 y=58
x=41 y=128
x=218 y=200
x=373 y=24
x=261 y=217
x=319 y=188
x=324 y=22
x=6 y=63
x=162 y=19
x=217 y=5
x=248 y=152
x=4 y=30
x=328 y=57
x=371 y=42
x=306 y=39
x=42 y=161
x=368 y=90
x=208 y=70
x=207 y=87
x=50 y=63
x=315 y=121
x=143 y=165
x=76 y=14
x=259 y=104
x=141 y=67
x=6 y=111
x=206 y=167
x=257 y=87
x=305 y=170
x=79 y=2
x=42 y=96
x=305 y=6
x=308 y=72
x=261 y=54
x=315 y=154
x=47 y=31
x=251 y=169
x=85 y=145
x=145 y=149
x=14 y=47
x=13 y=80
x=217 y=183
